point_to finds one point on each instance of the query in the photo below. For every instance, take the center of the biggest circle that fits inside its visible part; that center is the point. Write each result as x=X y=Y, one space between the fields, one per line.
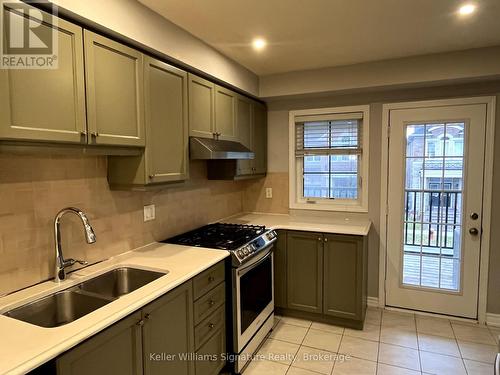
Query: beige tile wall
x=34 y=188
x=254 y=196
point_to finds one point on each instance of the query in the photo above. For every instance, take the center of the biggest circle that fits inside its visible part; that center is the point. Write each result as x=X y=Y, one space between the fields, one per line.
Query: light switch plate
x=149 y=212
x=269 y=192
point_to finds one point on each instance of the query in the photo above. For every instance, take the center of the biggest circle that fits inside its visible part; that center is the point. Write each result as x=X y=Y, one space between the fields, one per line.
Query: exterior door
x=435 y=189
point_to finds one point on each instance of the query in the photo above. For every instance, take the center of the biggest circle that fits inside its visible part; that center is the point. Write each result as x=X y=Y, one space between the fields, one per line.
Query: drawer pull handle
x=211 y=279
x=211 y=325
x=211 y=302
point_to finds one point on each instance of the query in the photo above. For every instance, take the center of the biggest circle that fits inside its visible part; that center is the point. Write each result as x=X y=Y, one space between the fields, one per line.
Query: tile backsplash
x=34 y=188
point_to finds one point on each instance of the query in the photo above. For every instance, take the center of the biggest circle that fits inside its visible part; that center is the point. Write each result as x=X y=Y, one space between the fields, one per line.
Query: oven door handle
x=255 y=263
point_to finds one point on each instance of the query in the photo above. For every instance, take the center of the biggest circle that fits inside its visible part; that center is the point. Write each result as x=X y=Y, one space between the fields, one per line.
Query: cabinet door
x=114 y=79
x=343 y=276
x=304 y=271
x=166 y=122
x=201 y=107
x=117 y=350
x=260 y=138
x=280 y=252
x=46 y=104
x=225 y=113
x=244 y=114
x=169 y=330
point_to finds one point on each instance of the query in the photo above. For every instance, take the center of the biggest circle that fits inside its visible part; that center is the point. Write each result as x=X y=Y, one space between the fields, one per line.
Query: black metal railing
x=432 y=218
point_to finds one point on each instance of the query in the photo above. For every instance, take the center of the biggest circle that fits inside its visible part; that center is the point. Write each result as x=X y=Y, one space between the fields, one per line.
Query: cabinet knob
x=211 y=279
x=211 y=325
x=147 y=316
x=319 y=238
x=211 y=302
x=326 y=239
x=83 y=133
x=94 y=134
x=140 y=323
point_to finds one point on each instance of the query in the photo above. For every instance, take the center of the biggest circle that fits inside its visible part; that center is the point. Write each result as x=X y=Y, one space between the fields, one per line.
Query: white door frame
x=490 y=101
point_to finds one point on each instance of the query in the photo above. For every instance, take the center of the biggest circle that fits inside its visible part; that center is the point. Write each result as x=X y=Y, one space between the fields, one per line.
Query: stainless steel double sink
x=73 y=303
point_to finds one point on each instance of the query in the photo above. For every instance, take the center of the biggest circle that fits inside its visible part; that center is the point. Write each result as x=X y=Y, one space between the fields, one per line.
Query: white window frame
x=297 y=201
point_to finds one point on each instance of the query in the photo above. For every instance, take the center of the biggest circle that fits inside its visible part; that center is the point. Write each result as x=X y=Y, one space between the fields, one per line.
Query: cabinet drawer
x=208 y=279
x=209 y=356
x=210 y=302
x=206 y=328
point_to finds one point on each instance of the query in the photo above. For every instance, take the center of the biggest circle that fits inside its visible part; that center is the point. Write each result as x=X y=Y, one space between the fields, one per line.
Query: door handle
x=474 y=231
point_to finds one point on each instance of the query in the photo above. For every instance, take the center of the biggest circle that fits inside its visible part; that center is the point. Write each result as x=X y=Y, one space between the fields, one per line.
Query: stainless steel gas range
x=252 y=281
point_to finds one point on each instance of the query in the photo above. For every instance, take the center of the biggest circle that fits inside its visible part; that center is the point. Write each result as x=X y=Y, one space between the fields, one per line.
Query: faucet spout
x=61 y=263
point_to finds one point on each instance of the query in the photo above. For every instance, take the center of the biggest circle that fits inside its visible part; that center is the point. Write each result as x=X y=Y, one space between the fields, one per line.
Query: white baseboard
x=372 y=301
x=493 y=319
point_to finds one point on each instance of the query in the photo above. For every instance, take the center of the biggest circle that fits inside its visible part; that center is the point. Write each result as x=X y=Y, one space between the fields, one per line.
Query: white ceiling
x=309 y=34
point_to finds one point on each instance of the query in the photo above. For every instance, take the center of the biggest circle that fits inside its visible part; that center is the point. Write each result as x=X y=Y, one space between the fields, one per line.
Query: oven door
x=253 y=296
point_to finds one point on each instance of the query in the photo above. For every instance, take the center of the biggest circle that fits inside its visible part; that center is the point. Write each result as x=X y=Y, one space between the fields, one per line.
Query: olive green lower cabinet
x=180 y=333
x=322 y=277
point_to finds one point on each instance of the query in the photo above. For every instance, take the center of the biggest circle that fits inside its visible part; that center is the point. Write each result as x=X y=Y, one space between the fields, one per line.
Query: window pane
x=316 y=135
x=344 y=133
x=316 y=185
x=344 y=177
x=434 y=140
x=415 y=140
x=316 y=163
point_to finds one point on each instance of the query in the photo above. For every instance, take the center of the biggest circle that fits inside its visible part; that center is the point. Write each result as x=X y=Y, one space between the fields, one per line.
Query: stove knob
x=245 y=251
x=240 y=254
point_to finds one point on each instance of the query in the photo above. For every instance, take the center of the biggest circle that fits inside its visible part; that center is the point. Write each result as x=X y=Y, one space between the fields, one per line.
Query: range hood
x=215 y=149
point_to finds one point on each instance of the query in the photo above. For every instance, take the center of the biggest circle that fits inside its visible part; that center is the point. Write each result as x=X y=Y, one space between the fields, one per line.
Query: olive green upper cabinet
x=344 y=281
x=259 y=138
x=114 y=79
x=201 y=107
x=244 y=112
x=167 y=128
x=46 y=104
x=165 y=158
x=169 y=329
x=225 y=114
x=305 y=271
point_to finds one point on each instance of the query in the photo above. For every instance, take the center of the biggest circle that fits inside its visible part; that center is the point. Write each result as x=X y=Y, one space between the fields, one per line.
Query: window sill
x=328 y=207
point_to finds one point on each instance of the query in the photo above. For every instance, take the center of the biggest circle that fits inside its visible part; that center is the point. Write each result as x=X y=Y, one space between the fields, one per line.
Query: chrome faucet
x=61 y=263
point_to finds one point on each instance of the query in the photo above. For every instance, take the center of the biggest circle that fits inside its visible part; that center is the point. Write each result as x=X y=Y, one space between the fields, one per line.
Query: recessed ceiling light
x=466 y=9
x=259 y=43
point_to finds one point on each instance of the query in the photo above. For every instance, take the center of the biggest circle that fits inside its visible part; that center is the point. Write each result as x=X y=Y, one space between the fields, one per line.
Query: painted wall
x=135 y=21
x=416 y=71
x=34 y=188
x=254 y=196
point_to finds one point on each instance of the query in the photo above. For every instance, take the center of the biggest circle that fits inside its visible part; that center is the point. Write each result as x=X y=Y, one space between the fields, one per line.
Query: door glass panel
x=433 y=205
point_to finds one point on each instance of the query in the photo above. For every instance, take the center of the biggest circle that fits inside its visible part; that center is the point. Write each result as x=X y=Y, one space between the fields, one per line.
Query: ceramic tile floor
x=391 y=343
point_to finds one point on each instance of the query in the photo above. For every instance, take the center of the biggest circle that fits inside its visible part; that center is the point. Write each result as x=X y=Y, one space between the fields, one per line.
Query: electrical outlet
x=149 y=212
x=269 y=193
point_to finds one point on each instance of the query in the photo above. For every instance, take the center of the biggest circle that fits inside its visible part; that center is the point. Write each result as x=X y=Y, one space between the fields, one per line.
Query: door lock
x=474 y=231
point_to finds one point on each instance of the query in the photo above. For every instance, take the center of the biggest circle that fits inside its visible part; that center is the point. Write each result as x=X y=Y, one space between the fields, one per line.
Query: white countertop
x=358 y=227
x=24 y=347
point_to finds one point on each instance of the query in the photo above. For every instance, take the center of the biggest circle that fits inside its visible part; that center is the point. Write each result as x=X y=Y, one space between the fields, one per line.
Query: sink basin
x=58 y=309
x=120 y=281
